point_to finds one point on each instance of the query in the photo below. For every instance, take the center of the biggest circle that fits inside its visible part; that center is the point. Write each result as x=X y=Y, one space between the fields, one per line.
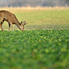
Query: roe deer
x=11 y=19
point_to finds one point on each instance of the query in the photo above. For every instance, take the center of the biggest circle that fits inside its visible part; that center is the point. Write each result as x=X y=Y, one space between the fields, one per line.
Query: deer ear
x=21 y=22
x=25 y=23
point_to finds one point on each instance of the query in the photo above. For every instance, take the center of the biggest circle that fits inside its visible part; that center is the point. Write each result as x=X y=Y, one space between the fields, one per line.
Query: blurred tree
x=33 y=3
x=67 y=2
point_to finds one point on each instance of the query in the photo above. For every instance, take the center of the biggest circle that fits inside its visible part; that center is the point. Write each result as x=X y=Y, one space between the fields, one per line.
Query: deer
x=11 y=19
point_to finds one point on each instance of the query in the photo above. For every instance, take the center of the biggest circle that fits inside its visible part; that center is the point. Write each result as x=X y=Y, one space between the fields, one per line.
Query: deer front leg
x=9 y=26
x=12 y=26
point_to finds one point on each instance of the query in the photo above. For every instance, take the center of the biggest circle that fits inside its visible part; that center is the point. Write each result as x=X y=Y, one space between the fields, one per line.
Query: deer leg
x=12 y=26
x=1 y=22
x=1 y=25
x=9 y=26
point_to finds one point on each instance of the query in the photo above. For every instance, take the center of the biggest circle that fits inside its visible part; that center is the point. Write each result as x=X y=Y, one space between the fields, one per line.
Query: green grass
x=54 y=19
x=43 y=19
x=34 y=49
x=44 y=44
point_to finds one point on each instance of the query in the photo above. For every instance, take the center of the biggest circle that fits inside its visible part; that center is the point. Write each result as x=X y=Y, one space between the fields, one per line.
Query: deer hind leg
x=1 y=25
x=1 y=22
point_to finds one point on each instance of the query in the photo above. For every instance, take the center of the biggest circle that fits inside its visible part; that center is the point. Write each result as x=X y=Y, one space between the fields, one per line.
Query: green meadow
x=44 y=44
x=42 y=18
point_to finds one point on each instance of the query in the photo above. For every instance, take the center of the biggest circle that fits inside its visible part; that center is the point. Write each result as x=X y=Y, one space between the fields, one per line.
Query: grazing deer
x=11 y=19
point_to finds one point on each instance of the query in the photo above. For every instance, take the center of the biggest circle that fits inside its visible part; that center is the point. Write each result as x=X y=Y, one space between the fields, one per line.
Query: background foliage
x=33 y=3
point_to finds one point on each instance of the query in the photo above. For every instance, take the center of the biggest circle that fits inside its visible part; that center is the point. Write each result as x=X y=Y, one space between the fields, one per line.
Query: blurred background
x=33 y=3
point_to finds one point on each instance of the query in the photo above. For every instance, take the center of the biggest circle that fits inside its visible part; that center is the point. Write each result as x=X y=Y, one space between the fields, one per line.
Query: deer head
x=22 y=25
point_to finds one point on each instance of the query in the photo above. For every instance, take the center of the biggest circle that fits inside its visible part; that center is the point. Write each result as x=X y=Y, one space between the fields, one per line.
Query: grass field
x=44 y=44
x=38 y=18
x=34 y=49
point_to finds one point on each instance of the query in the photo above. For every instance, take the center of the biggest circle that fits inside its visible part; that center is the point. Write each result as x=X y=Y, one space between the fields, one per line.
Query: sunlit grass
x=41 y=18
